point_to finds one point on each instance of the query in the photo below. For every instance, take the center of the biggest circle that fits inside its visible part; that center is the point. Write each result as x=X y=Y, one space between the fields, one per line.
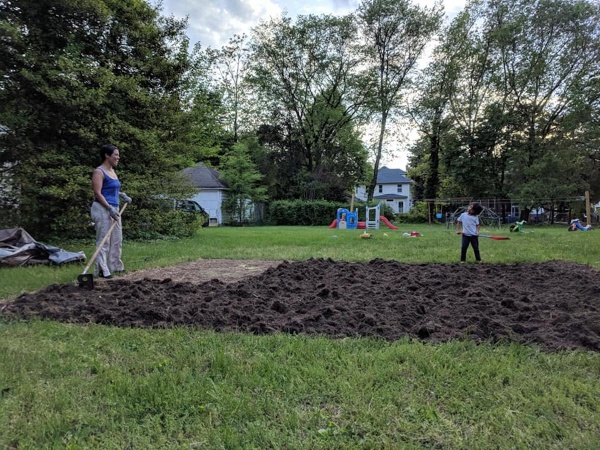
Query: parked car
x=191 y=206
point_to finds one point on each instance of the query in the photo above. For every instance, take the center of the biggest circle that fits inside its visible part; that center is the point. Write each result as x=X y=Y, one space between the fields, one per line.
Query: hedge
x=316 y=212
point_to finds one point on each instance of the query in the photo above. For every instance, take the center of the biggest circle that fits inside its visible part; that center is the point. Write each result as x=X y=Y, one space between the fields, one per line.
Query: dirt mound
x=555 y=305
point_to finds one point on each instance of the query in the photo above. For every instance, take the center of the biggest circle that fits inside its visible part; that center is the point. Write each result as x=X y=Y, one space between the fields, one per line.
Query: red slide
x=387 y=222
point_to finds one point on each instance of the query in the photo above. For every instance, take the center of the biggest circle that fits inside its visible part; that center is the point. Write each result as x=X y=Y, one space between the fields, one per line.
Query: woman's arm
x=97 y=178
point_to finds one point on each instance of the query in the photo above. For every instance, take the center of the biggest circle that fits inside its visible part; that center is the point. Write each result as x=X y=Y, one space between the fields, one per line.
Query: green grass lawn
x=72 y=386
x=438 y=244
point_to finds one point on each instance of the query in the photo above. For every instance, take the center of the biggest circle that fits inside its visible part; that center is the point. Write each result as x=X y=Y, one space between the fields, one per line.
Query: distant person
x=467 y=224
x=105 y=210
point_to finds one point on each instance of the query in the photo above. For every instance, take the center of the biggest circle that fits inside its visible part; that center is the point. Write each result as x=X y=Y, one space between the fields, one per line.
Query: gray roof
x=204 y=177
x=390 y=197
x=392 y=176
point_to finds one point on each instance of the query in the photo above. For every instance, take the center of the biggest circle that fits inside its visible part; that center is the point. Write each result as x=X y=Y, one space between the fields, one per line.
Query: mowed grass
x=73 y=386
x=437 y=244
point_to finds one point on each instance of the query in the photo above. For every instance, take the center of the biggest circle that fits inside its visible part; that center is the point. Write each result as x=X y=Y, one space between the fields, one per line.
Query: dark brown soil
x=555 y=305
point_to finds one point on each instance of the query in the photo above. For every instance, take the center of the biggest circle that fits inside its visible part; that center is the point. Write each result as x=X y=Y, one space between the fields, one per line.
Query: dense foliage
x=508 y=106
x=76 y=75
x=307 y=76
x=243 y=189
x=317 y=213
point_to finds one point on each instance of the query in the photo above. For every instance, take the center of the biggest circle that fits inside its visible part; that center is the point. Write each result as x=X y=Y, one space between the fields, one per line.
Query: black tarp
x=18 y=248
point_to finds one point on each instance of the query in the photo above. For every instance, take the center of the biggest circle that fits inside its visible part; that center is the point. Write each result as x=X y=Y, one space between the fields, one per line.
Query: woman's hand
x=114 y=214
x=126 y=198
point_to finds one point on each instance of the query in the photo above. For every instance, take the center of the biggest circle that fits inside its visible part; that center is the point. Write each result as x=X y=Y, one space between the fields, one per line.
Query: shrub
x=317 y=213
x=417 y=214
x=158 y=219
x=301 y=212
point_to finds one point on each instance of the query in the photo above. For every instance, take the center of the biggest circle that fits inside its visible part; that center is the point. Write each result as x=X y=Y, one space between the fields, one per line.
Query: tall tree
x=548 y=49
x=431 y=114
x=476 y=107
x=395 y=33
x=521 y=99
x=229 y=67
x=79 y=74
x=305 y=76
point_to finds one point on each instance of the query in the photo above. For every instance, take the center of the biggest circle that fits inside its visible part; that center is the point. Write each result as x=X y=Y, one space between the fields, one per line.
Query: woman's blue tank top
x=110 y=189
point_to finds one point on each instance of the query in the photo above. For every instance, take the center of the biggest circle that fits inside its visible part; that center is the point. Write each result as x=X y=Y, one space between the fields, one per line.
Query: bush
x=417 y=214
x=317 y=213
x=157 y=219
x=300 y=212
x=387 y=212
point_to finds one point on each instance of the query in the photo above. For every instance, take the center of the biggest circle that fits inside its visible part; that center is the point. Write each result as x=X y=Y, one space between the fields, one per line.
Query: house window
x=380 y=188
x=400 y=207
x=399 y=189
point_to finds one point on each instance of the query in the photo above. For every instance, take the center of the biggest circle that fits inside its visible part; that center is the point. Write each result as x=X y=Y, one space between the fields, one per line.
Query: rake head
x=86 y=281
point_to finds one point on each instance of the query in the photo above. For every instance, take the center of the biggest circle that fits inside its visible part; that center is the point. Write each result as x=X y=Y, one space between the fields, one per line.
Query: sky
x=213 y=22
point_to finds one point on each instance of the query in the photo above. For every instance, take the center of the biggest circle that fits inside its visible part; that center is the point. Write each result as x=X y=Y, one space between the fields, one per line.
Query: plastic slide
x=387 y=222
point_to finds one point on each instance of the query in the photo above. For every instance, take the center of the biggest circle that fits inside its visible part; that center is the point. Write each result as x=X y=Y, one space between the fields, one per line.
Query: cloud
x=341 y=3
x=214 y=22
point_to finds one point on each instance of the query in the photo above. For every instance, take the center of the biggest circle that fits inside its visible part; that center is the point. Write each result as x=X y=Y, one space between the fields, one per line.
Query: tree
x=395 y=34
x=76 y=75
x=548 y=50
x=305 y=75
x=204 y=126
x=229 y=67
x=431 y=114
x=243 y=188
x=521 y=99
x=581 y=128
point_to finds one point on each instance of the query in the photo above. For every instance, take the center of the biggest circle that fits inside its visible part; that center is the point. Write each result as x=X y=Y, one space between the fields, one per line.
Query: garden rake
x=86 y=280
x=497 y=238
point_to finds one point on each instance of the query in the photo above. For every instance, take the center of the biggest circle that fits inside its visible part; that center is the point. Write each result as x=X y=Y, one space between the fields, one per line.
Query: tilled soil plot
x=555 y=305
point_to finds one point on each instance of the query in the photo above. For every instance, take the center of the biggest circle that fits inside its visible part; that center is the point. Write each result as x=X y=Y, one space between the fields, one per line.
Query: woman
x=105 y=210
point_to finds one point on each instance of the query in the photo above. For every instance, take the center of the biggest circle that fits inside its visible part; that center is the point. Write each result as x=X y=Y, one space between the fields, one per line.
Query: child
x=470 y=231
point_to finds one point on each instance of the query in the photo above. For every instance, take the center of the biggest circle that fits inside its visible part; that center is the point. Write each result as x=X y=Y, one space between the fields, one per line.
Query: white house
x=211 y=190
x=392 y=188
x=8 y=194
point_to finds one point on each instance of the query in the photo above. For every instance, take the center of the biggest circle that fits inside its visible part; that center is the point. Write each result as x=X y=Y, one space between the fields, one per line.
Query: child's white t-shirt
x=469 y=224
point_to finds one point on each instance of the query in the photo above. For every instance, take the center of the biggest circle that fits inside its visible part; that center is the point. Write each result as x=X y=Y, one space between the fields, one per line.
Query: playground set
x=348 y=220
x=487 y=218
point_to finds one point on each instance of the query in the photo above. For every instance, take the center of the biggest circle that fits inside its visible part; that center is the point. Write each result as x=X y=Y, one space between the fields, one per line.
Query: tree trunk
x=371 y=189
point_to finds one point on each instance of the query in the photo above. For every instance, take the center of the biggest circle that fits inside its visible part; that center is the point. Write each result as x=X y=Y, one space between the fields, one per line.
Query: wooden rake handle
x=496 y=238
x=99 y=247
